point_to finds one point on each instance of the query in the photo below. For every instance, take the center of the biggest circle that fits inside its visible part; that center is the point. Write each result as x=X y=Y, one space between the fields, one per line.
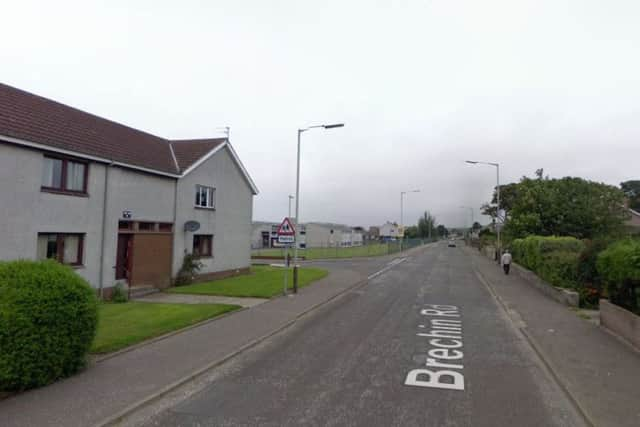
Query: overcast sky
x=420 y=85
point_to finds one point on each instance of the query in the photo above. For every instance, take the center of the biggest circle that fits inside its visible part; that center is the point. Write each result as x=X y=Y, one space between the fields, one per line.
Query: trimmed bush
x=619 y=269
x=48 y=318
x=554 y=259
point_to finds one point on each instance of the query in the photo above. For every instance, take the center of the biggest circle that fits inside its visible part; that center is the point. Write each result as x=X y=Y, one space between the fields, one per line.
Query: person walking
x=506 y=261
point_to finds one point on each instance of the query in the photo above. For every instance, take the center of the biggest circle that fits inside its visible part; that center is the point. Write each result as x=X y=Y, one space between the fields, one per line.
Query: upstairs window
x=205 y=197
x=64 y=175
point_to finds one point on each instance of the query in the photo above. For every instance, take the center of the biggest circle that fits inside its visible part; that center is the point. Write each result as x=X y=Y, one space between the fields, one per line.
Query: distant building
x=389 y=231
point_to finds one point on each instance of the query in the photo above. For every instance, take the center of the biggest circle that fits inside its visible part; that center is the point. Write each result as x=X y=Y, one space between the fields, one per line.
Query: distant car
x=452 y=243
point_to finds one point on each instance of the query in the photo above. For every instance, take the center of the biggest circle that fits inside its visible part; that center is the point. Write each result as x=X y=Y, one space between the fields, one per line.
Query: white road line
x=387 y=268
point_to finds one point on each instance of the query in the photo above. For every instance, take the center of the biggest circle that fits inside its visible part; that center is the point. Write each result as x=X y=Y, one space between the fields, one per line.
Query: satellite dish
x=191 y=226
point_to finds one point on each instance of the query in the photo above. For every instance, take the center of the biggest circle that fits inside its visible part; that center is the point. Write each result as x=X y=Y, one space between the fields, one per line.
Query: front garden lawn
x=122 y=325
x=262 y=282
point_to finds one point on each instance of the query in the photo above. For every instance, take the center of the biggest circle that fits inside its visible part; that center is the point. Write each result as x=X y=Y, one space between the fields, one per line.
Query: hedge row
x=619 y=270
x=554 y=259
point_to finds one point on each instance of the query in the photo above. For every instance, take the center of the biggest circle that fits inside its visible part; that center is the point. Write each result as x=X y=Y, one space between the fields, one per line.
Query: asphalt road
x=348 y=363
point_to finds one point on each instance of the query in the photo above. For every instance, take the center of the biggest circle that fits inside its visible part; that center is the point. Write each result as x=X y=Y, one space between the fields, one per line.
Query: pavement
x=598 y=370
x=112 y=387
x=162 y=297
x=351 y=362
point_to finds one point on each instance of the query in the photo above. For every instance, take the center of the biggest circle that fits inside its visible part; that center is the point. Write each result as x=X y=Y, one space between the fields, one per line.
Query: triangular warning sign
x=286 y=228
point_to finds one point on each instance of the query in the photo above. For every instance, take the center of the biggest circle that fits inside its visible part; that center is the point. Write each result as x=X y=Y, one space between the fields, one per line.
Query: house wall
x=229 y=223
x=147 y=197
x=25 y=210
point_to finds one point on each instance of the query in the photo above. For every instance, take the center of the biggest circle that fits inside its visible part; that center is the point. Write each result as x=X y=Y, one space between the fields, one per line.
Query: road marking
x=387 y=268
x=445 y=334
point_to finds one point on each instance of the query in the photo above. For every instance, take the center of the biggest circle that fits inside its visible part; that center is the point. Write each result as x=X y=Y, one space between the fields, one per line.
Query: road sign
x=286 y=239
x=286 y=228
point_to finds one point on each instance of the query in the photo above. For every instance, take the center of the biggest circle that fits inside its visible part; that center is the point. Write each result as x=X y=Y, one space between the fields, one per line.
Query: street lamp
x=402 y=193
x=497 y=166
x=290 y=198
x=295 y=244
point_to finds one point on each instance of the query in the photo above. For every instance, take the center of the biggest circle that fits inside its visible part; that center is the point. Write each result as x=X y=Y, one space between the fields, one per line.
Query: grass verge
x=122 y=325
x=263 y=282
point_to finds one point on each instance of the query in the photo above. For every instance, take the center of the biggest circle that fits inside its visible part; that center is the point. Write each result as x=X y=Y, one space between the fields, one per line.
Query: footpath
x=115 y=387
x=600 y=373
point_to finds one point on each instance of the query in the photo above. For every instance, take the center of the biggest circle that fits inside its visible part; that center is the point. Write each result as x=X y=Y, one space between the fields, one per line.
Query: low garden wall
x=621 y=322
x=564 y=296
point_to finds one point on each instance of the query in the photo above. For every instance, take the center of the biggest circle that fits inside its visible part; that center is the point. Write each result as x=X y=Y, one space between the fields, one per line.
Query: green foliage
x=119 y=295
x=631 y=189
x=48 y=318
x=554 y=259
x=427 y=225
x=619 y=268
x=562 y=207
x=190 y=267
x=442 y=231
x=411 y=232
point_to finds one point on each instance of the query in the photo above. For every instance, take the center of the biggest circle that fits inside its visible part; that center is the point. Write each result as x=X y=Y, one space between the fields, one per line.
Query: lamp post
x=497 y=166
x=402 y=193
x=295 y=244
x=290 y=198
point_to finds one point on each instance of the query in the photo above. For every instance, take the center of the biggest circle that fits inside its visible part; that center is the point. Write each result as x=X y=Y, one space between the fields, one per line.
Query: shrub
x=119 y=295
x=554 y=259
x=619 y=268
x=48 y=318
x=190 y=267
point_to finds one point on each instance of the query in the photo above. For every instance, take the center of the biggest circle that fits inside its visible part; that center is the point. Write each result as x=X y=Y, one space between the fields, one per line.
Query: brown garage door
x=152 y=260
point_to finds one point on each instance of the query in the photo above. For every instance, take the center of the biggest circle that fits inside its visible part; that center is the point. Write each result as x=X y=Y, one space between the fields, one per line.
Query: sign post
x=286 y=235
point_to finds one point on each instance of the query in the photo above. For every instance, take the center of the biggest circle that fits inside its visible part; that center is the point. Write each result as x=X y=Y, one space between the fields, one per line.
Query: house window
x=125 y=225
x=205 y=197
x=146 y=226
x=64 y=248
x=165 y=227
x=60 y=174
x=202 y=245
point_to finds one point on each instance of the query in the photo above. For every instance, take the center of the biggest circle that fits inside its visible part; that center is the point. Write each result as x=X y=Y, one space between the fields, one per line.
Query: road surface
x=423 y=344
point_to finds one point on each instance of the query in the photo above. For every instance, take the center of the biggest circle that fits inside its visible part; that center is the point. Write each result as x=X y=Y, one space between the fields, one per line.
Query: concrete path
x=599 y=371
x=112 y=387
x=162 y=297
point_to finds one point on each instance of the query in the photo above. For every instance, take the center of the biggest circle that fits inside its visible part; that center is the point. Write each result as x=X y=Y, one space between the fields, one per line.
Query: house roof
x=32 y=120
x=189 y=151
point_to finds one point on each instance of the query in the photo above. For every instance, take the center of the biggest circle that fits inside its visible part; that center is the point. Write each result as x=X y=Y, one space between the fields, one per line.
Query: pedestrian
x=506 y=261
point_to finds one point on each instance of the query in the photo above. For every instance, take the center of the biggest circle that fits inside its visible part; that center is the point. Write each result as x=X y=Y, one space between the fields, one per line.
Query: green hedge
x=619 y=269
x=554 y=259
x=48 y=318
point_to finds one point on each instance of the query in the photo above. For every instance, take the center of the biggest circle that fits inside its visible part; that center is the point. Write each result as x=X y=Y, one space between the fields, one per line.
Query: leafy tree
x=442 y=231
x=426 y=225
x=508 y=196
x=476 y=226
x=631 y=189
x=411 y=232
x=565 y=207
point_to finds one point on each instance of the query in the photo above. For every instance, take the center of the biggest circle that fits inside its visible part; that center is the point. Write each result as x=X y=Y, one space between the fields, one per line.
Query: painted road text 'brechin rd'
x=444 y=333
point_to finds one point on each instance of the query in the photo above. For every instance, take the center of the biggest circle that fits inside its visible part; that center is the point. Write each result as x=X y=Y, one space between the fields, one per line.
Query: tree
x=442 y=231
x=631 y=190
x=426 y=225
x=565 y=207
x=411 y=232
x=476 y=226
x=508 y=195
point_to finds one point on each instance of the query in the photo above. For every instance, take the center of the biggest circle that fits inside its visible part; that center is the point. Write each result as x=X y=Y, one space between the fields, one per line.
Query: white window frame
x=209 y=193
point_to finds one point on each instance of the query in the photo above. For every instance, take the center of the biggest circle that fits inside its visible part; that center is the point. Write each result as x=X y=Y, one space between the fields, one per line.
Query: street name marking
x=444 y=332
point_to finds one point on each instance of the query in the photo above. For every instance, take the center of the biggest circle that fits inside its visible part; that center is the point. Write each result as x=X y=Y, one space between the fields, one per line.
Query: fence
x=370 y=249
